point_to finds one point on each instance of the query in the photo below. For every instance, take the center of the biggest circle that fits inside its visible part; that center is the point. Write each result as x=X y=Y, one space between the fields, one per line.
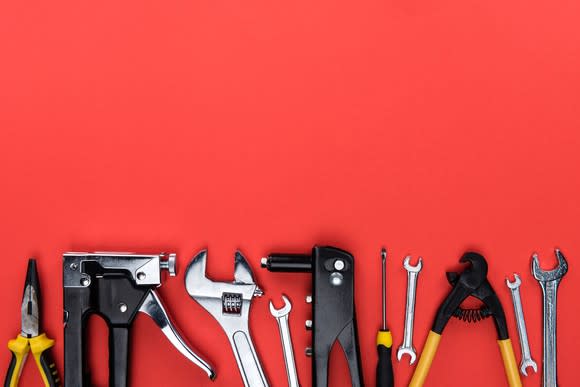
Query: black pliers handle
x=471 y=282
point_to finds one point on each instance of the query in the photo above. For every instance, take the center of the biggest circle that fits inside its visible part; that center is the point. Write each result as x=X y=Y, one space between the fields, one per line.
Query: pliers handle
x=39 y=346
x=430 y=348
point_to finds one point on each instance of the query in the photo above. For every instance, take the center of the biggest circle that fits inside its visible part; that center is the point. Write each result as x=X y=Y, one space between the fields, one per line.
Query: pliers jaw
x=491 y=305
x=464 y=284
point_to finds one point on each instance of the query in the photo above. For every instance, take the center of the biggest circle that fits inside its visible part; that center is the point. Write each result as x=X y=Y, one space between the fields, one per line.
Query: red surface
x=429 y=126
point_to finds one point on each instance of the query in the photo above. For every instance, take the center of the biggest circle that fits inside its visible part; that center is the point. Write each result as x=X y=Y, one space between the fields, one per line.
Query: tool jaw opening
x=550 y=275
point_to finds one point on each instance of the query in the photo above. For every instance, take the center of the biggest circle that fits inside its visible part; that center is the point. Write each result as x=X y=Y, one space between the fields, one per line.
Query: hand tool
x=521 y=324
x=281 y=316
x=549 y=281
x=412 y=276
x=385 y=376
x=334 y=316
x=229 y=304
x=30 y=338
x=471 y=282
x=115 y=286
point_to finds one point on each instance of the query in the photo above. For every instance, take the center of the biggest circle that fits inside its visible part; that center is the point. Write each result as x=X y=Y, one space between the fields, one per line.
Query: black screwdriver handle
x=385 y=376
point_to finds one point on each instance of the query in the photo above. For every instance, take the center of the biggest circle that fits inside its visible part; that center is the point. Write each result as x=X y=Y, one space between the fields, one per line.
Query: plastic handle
x=426 y=359
x=385 y=377
x=40 y=347
x=19 y=348
x=509 y=362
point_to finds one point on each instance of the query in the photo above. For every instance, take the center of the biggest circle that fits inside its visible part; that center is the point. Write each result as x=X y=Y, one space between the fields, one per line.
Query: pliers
x=30 y=339
x=471 y=282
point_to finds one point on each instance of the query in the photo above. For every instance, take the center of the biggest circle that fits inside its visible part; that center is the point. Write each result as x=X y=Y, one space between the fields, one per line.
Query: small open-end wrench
x=527 y=360
x=412 y=275
x=549 y=281
x=281 y=316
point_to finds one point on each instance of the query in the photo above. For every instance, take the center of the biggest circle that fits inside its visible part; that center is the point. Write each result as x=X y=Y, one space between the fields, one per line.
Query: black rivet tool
x=115 y=286
x=334 y=316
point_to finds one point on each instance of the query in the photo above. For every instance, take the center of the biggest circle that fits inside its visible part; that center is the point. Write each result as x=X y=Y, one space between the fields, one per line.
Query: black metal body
x=471 y=282
x=104 y=296
x=334 y=315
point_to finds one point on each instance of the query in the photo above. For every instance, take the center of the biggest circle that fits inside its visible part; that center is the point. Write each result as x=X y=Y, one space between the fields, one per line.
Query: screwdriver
x=384 y=338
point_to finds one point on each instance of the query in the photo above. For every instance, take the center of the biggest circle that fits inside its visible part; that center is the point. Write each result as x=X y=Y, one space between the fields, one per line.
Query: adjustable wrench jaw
x=229 y=303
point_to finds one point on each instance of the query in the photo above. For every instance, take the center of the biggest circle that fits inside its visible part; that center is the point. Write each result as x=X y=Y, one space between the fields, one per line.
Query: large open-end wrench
x=527 y=360
x=412 y=275
x=281 y=316
x=549 y=281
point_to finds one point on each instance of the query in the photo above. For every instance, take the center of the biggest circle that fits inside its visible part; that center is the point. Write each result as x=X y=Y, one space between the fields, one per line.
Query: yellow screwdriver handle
x=426 y=359
x=40 y=346
x=509 y=362
x=19 y=348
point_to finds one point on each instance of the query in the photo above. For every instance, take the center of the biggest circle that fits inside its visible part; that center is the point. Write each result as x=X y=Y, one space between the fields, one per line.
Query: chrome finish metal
x=412 y=275
x=527 y=360
x=153 y=307
x=549 y=281
x=281 y=316
x=209 y=294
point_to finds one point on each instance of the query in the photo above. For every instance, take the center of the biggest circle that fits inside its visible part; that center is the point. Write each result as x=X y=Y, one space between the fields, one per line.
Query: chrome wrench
x=549 y=281
x=229 y=303
x=527 y=360
x=412 y=275
x=281 y=316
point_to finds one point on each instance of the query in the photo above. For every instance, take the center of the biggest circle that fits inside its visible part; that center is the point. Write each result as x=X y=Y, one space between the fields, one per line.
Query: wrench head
x=514 y=285
x=201 y=288
x=410 y=268
x=407 y=351
x=550 y=275
x=277 y=313
x=527 y=363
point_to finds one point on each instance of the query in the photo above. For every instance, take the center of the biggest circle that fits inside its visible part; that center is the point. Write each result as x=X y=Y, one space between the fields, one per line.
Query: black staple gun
x=115 y=286
x=334 y=316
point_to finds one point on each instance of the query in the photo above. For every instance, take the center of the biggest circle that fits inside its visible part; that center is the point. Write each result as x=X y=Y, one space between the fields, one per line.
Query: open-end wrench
x=281 y=316
x=412 y=276
x=527 y=360
x=549 y=281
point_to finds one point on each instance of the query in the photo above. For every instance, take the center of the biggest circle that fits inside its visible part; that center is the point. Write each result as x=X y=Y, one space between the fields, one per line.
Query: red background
x=431 y=127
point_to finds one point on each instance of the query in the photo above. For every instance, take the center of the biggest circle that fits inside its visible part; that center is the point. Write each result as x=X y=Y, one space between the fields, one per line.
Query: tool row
x=117 y=286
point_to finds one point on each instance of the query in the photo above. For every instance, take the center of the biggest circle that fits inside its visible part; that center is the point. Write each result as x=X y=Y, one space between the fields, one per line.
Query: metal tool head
x=474 y=275
x=527 y=363
x=29 y=309
x=282 y=311
x=514 y=285
x=410 y=268
x=407 y=351
x=232 y=296
x=550 y=275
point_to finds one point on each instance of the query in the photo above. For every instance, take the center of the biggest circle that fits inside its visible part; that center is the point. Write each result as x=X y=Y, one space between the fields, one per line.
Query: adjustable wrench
x=549 y=281
x=527 y=360
x=229 y=304
x=281 y=316
x=412 y=275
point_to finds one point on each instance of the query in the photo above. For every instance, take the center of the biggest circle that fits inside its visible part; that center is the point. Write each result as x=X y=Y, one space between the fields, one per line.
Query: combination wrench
x=281 y=316
x=549 y=281
x=527 y=360
x=412 y=275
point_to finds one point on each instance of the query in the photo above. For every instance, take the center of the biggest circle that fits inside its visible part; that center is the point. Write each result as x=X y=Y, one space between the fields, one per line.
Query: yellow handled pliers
x=30 y=339
x=471 y=282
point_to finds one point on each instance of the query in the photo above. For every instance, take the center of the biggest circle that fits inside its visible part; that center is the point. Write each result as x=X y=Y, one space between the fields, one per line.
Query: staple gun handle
x=118 y=356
